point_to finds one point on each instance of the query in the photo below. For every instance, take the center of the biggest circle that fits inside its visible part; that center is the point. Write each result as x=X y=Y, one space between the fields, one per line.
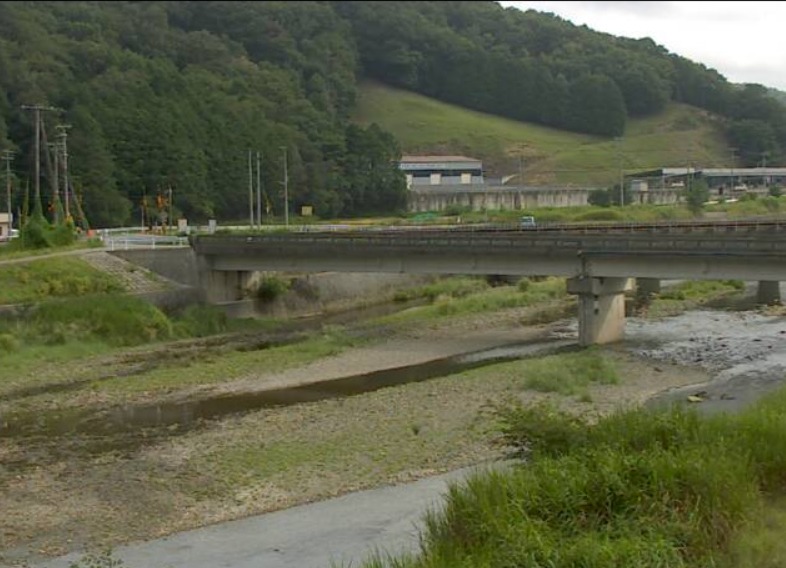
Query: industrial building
x=441 y=170
x=722 y=182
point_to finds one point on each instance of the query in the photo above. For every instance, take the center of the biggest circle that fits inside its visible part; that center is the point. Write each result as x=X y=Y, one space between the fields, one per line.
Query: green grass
x=14 y=250
x=423 y=125
x=691 y=294
x=641 y=488
x=468 y=296
x=568 y=374
x=230 y=366
x=53 y=277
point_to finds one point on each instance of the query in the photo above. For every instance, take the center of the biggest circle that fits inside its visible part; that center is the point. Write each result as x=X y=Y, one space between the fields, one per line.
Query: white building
x=441 y=170
x=5 y=226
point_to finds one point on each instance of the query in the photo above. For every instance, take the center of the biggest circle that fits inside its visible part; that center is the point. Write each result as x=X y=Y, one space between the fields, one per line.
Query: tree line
x=172 y=95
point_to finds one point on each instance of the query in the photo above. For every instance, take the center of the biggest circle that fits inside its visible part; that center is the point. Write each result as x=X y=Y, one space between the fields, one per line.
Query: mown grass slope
x=674 y=138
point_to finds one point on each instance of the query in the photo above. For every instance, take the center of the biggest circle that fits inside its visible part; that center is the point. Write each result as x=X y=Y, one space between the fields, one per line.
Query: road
x=337 y=532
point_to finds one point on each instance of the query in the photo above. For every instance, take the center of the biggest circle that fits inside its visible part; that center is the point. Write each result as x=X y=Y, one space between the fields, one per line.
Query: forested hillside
x=174 y=94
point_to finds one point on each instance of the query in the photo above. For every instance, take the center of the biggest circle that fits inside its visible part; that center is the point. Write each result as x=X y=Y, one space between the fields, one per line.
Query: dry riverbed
x=83 y=489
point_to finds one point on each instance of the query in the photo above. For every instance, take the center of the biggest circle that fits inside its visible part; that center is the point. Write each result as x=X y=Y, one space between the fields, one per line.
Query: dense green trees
x=173 y=95
x=537 y=67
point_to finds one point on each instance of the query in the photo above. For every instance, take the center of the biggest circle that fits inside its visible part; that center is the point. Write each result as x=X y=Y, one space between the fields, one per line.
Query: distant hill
x=777 y=94
x=168 y=98
x=672 y=138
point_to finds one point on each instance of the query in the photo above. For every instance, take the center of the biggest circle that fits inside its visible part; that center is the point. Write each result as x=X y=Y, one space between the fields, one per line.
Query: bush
x=8 y=343
x=270 y=288
x=33 y=234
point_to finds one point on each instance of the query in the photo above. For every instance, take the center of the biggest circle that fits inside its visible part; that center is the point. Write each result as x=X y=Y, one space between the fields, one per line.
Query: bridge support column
x=601 y=308
x=769 y=292
x=221 y=285
x=646 y=288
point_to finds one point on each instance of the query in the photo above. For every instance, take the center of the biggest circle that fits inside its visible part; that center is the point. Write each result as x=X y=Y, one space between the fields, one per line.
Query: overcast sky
x=744 y=41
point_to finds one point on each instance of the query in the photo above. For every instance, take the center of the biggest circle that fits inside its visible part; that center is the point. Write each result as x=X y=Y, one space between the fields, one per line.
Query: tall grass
x=568 y=374
x=641 y=488
x=470 y=296
x=53 y=277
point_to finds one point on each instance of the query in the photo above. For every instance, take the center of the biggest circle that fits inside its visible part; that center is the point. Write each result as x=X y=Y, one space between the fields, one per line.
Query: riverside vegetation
x=94 y=352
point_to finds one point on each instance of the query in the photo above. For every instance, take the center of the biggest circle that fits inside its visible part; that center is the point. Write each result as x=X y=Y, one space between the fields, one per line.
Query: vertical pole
x=7 y=157
x=619 y=166
x=66 y=189
x=286 y=189
x=171 y=220
x=37 y=156
x=259 y=190
x=250 y=193
x=56 y=182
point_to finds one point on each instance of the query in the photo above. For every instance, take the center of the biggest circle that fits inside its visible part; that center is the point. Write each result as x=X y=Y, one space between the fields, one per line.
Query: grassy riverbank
x=638 y=488
x=68 y=489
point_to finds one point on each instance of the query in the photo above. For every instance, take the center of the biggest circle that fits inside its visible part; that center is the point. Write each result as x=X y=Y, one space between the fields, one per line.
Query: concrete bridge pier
x=601 y=308
x=769 y=292
x=223 y=285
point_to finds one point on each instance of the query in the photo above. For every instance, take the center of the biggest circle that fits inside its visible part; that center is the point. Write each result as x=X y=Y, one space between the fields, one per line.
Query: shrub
x=270 y=288
x=8 y=343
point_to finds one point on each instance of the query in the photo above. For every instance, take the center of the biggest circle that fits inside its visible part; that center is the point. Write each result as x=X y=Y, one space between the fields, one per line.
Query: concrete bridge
x=598 y=261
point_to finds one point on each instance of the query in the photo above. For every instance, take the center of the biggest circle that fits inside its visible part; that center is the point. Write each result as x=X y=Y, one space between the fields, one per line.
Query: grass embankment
x=638 y=488
x=423 y=125
x=53 y=277
x=15 y=250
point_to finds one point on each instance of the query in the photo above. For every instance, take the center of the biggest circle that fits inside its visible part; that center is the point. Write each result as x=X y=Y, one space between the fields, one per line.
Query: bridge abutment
x=769 y=292
x=601 y=308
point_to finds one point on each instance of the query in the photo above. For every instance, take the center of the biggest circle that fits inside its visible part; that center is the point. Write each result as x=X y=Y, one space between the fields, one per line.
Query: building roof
x=440 y=159
x=711 y=172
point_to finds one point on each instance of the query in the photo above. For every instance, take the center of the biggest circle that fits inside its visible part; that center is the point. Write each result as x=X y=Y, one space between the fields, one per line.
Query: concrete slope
x=338 y=532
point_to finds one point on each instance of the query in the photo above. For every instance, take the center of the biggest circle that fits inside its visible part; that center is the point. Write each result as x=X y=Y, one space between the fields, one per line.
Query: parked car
x=527 y=222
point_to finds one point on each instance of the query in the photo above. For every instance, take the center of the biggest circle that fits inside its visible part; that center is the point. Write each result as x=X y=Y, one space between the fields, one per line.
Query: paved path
x=338 y=532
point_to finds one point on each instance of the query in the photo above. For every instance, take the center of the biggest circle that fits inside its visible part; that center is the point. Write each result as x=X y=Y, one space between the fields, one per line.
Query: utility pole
x=171 y=221
x=250 y=192
x=619 y=167
x=286 y=189
x=8 y=157
x=55 y=181
x=521 y=171
x=259 y=190
x=37 y=117
x=63 y=135
x=733 y=155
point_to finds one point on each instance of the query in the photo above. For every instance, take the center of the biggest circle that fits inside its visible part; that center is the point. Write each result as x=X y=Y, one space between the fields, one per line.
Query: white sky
x=744 y=41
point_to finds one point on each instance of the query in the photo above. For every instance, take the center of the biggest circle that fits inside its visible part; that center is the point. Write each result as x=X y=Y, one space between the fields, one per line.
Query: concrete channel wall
x=307 y=293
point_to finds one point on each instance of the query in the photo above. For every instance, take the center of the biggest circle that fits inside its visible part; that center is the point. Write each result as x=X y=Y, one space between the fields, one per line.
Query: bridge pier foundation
x=601 y=308
x=223 y=285
x=769 y=292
